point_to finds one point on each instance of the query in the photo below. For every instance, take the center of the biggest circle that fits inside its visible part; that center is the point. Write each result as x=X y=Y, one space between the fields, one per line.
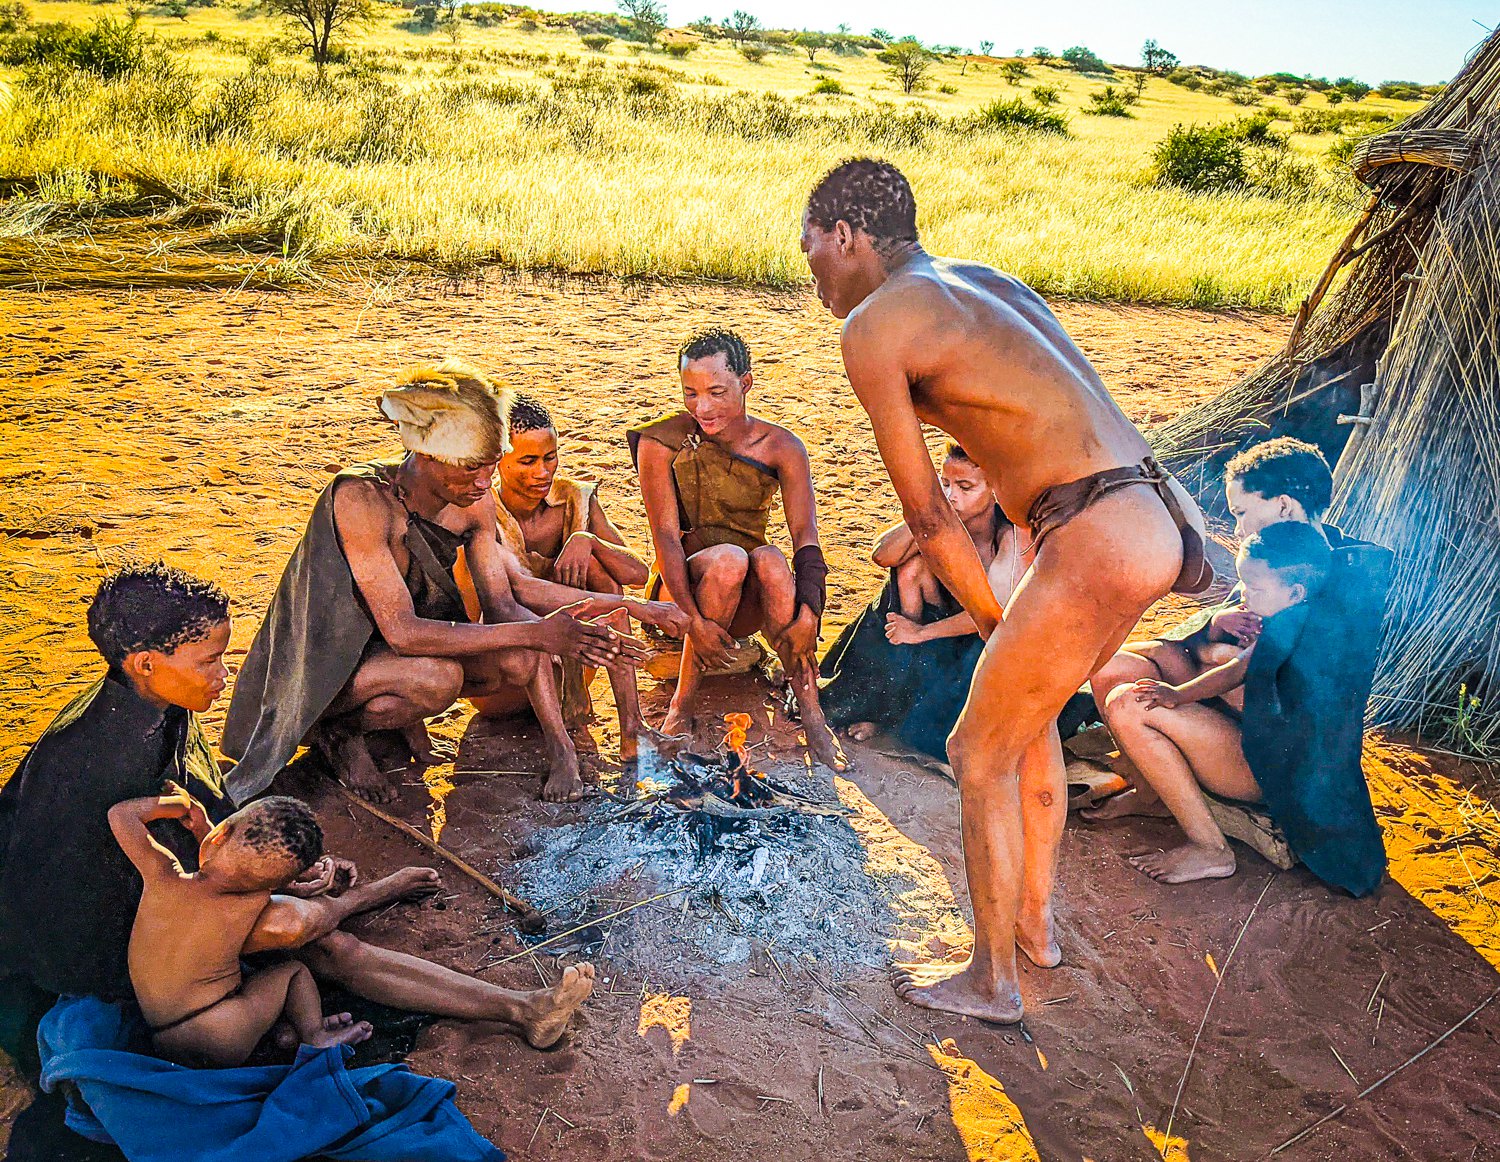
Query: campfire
x=721 y=794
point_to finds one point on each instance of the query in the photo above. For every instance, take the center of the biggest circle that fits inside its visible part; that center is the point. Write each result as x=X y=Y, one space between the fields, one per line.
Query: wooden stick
x=514 y=903
x=1431 y=1045
x=585 y=924
x=1218 y=981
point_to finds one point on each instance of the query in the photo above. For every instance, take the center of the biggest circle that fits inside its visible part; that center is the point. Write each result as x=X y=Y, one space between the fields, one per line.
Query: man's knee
x=725 y=565
x=985 y=751
x=516 y=667
x=434 y=683
x=769 y=565
x=1123 y=709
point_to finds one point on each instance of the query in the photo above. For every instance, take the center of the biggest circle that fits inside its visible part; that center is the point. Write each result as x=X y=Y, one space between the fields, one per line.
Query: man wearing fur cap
x=366 y=636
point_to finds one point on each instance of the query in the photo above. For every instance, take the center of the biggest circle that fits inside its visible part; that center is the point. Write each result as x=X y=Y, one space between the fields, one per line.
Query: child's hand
x=901 y=630
x=176 y=803
x=1154 y=693
x=1239 y=625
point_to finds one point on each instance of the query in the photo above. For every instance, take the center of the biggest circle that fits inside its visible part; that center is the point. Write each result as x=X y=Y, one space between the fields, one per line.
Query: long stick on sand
x=1431 y=1045
x=531 y=919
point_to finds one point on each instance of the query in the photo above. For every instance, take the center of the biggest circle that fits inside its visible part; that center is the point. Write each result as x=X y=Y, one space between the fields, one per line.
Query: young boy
x=191 y=927
x=1279 y=566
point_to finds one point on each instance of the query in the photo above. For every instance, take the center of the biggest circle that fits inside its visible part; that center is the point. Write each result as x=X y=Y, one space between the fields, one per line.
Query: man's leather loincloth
x=1058 y=505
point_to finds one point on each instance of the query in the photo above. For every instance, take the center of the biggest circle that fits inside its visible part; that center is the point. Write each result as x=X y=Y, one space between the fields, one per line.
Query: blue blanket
x=155 y=1111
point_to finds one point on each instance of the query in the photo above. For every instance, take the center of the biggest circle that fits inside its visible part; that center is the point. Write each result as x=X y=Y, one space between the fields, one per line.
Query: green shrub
x=14 y=17
x=754 y=53
x=596 y=41
x=1207 y=159
x=1016 y=114
x=681 y=49
x=1108 y=102
x=1295 y=97
x=948 y=90
x=425 y=16
x=1046 y=95
x=108 y=48
x=830 y=86
x=1013 y=71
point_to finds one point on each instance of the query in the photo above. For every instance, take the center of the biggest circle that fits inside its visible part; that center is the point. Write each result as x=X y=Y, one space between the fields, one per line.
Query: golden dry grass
x=419 y=149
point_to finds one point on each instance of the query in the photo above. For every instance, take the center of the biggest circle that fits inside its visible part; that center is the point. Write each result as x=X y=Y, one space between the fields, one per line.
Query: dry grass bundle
x=1412 y=335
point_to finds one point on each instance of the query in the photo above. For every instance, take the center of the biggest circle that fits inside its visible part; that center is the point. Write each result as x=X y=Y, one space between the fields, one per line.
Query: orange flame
x=738 y=726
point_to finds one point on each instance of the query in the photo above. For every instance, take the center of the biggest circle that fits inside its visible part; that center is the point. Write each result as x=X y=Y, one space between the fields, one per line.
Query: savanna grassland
x=225 y=153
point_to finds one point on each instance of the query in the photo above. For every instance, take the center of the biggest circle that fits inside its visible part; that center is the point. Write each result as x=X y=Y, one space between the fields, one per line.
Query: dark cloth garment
x=1303 y=727
x=1303 y=724
x=1056 y=506
x=68 y=894
x=316 y=632
x=160 y=1112
x=722 y=497
x=915 y=691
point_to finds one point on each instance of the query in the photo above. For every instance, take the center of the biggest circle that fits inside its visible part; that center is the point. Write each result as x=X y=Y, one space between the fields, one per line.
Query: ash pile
x=742 y=861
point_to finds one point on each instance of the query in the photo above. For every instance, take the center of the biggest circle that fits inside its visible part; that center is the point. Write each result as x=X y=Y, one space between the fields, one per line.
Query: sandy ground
x=199 y=426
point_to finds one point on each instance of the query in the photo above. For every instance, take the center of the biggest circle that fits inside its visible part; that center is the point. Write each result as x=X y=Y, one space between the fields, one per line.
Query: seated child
x=191 y=927
x=1279 y=567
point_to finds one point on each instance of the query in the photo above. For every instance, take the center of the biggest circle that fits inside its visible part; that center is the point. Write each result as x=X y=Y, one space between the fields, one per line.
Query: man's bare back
x=978 y=354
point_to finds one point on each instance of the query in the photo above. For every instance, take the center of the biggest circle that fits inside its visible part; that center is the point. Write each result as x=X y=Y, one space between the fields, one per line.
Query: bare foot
x=956 y=989
x=677 y=723
x=349 y=755
x=565 y=783
x=1187 y=863
x=427 y=751
x=862 y=731
x=340 y=1029
x=552 y=1008
x=823 y=746
x=406 y=884
x=1036 y=936
x=1131 y=802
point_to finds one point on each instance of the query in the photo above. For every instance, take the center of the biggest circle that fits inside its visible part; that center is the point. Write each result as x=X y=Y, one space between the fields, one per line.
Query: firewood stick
x=514 y=903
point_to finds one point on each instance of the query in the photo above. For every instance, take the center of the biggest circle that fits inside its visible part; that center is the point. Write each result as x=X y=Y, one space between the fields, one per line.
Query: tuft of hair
x=717 y=341
x=528 y=415
x=281 y=825
x=1285 y=466
x=152 y=607
x=955 y=451
x=1294 y=551
x=871 y=195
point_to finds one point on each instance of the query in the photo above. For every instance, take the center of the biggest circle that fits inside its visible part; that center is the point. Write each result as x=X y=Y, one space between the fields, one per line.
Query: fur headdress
x=451 y=413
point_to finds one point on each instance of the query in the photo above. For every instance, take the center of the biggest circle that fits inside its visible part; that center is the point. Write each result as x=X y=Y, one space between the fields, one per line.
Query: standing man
x=978 y=354
x=709 y=476
x=367 y=634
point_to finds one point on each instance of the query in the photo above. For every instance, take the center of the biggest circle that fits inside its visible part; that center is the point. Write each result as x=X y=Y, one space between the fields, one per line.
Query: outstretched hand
x=331 y=875
x=566 y=634
x=666 y=616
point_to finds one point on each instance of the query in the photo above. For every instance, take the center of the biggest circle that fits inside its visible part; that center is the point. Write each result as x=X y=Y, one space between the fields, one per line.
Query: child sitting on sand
x=191 y=926
x=1279 y=567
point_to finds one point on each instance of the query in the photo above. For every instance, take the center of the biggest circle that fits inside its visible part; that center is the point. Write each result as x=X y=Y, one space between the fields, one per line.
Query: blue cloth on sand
x=156 y=1111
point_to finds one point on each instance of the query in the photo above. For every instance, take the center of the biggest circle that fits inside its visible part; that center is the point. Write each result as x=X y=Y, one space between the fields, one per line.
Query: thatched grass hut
x=1395 y=374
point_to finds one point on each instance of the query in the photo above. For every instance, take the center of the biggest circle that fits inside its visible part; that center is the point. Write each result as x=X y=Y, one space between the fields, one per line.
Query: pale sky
x=1374 y=40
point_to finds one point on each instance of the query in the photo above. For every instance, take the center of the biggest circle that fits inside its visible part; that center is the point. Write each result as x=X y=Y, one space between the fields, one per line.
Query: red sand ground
x=200 y=425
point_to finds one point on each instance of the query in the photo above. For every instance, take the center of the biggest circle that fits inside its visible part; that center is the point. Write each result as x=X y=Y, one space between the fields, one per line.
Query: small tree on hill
x=881 y=35
x=648 y=17
x=1041 y=55
x=318 y=21
x=1139 y=81
x=1157 y=59
x=907 y=62
x=811 y=43
x=1013 y=71
x=986 y=48
x=741 y=26
x=1353 y=90
x=1084 y=60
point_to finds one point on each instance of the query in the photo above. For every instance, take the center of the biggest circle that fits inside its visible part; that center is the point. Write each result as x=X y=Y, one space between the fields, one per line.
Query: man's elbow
x=925 y=524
